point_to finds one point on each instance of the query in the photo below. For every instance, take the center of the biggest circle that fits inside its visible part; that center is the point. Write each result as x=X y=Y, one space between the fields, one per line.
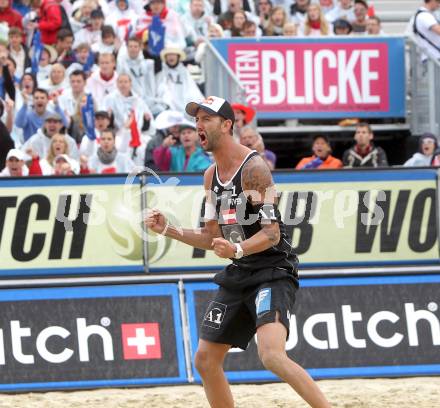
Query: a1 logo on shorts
x=263 y=300
x=214 y=315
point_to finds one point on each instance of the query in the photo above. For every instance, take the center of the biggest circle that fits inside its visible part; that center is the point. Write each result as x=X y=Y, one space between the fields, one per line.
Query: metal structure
x=424 y=87
x=219 y=77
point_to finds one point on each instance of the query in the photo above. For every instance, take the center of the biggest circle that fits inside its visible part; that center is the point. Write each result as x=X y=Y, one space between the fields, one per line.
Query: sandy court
x=360 y=393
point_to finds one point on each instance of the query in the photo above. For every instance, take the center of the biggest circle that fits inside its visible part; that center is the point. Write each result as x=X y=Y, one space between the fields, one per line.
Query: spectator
x=56 y=83
x=277 y=19
x=197 y=19
x=47 y=166
x=251 y=138
x=243 y=116
x=32 y=119
x=174 y=32
x=298 y=11
x=141 y=71
x=122 y=18
x=175 y=85
x=18 y=51
x=327 y=5
x=107 y=159
x=15 y=166
x=167 y=123
x=315 y=23
x=361 y=14
x=364 y=153
x=344 y=10
x=82 y=15
x=63 y=47
x=30 y=17
x=238 y=19
x=427 y=145
x=214 y=31
x=50 y=21
x=39 y=143
x=125 y=105
x=321 y=158
x=10 y=16
x=374 y=26
x=6 y=142
x=250 y=30
x=89 y=147
x=290 y=30
x=342 y=27
x=84 y=60
x=426 y=28
x=103 y=81
x=91 y=33
x=47 y=58
x=27 y=85
x=109 y=43
x=264 y=9
x=7 y=85
x=72 y=100
x=186 y=156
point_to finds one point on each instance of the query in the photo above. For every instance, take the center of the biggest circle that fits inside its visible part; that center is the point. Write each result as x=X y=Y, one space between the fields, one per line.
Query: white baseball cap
x=18 y=154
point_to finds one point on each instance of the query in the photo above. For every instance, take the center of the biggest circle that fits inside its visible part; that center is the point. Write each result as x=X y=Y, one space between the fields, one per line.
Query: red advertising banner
x=326 y=78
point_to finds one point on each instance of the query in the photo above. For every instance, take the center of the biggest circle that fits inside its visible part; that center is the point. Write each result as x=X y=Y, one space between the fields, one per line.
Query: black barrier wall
x=90 y=337
x=348 y=327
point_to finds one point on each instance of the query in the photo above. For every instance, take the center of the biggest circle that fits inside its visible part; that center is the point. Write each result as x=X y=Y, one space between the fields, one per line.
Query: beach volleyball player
x=257 y=290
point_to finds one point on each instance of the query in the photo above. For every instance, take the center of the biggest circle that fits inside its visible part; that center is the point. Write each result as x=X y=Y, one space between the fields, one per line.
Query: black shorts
x=233 y=317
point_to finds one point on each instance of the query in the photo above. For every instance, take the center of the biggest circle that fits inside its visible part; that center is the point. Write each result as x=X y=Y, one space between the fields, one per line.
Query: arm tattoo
x=257 y=183
x=273 y=234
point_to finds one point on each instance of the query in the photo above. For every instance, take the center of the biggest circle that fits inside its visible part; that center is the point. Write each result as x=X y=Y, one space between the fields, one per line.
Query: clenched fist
x=223 y=248
x=156 y=221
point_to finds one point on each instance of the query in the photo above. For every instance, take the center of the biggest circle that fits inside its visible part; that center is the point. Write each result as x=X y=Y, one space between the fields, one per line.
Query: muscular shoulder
x=207 y=177
x=256 y=179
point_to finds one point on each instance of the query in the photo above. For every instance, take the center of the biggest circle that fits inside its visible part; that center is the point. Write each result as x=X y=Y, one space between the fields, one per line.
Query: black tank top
x=238 y=221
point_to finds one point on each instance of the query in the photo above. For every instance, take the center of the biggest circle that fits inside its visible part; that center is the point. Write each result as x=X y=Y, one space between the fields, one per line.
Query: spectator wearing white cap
x=175 y=85
x=186 y=156
x=15 y=166
x=167 y=123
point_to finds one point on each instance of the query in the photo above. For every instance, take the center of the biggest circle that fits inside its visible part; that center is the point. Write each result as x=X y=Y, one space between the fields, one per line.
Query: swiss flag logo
x=141 y=341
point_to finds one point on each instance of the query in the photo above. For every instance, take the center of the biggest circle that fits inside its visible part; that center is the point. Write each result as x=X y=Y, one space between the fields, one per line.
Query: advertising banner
x=97 y=336
x=346 y=327
x=334 y=218
x=56 y=226
x=320 y=77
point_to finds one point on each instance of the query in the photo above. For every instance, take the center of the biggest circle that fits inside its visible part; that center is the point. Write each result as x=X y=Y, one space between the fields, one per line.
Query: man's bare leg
x=209 y=363
x=271 y=349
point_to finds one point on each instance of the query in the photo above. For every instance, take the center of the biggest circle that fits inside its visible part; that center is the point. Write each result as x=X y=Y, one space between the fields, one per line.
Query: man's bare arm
x=196 y=237
x=259 y=188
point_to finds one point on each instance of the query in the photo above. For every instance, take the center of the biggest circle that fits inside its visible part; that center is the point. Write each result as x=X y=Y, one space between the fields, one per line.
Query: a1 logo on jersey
x=214 y=315
x=141 y=341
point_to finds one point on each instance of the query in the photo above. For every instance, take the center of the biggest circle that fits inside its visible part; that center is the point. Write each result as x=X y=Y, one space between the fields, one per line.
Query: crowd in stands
x=99 y=86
